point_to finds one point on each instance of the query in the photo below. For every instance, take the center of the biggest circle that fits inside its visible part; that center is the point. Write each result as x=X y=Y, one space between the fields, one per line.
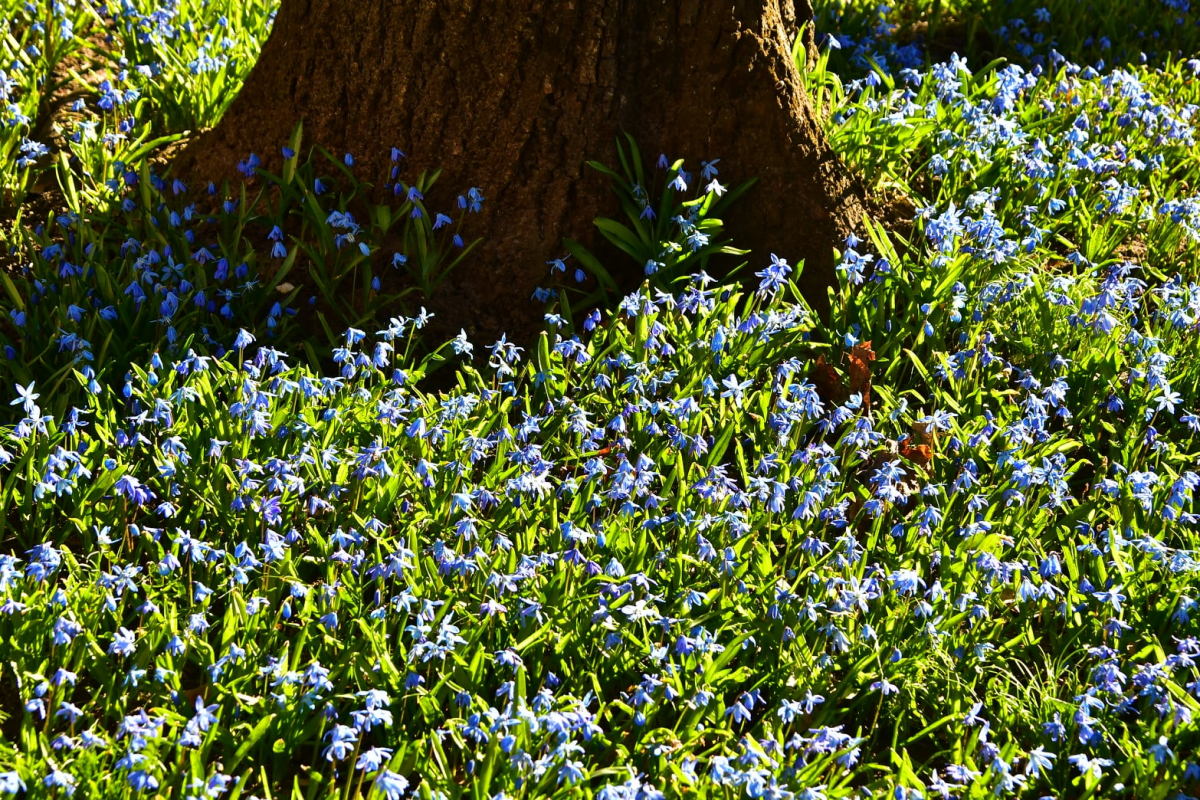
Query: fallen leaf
x=828 y=382
x=923 y=432
x=860 y=358
x=920 y=455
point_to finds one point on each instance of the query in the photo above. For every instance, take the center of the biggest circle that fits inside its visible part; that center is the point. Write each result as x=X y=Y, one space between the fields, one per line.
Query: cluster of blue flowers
x=943 y=544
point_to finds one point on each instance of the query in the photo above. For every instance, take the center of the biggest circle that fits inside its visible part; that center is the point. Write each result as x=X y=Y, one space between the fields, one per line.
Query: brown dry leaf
x=923 y=432
x=920 y=455
x=192 y=694
x=828 y=382
x=860 y=358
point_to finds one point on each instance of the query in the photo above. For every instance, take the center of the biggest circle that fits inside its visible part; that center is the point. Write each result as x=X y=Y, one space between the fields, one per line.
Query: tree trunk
x=514 y=96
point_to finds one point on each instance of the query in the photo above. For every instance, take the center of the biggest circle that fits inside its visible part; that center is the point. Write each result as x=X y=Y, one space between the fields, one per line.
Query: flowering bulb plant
x=695 y=539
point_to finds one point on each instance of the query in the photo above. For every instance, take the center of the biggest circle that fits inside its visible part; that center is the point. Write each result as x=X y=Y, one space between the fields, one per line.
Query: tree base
x=514 y=97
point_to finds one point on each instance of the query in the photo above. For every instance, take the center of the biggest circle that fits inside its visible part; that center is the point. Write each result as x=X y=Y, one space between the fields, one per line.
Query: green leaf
x=623 y=238
x=11 y=290
x=289 y=167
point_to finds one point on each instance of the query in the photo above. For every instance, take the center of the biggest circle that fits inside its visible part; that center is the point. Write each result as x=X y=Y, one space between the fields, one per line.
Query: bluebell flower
x=243 y=339
x=734 y=388
x=461 y=345
x=57 y=779
x=391 y=785
x=123 y=643
x=26 y=397
x=11 y=783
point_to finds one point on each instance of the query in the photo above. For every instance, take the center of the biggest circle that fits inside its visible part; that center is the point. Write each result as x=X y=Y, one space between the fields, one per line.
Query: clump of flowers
x=693 y=539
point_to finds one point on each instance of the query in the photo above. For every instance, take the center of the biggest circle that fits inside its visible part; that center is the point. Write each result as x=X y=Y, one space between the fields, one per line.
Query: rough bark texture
x=514 y=96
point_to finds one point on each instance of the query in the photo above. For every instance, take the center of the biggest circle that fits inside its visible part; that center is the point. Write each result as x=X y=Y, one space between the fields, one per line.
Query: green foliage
x=281 y=257
x=669 y=237
x=703 y=544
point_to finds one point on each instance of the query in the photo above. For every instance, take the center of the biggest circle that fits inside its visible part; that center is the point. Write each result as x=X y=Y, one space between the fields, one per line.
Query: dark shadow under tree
x=513 y=96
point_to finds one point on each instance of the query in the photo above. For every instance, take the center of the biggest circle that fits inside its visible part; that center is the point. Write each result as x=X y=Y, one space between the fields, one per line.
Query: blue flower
x=26 y=397
x=461 y=345
x=774 y=276
x=123 y=643
x=11 y=783
x=734 y=388
x=142 y=781
x=243 y=339
x=342 y=742
x=373 y=760
x=392 y=785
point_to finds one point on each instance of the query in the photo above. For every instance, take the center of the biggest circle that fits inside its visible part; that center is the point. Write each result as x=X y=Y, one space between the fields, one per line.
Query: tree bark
x=514 y=96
